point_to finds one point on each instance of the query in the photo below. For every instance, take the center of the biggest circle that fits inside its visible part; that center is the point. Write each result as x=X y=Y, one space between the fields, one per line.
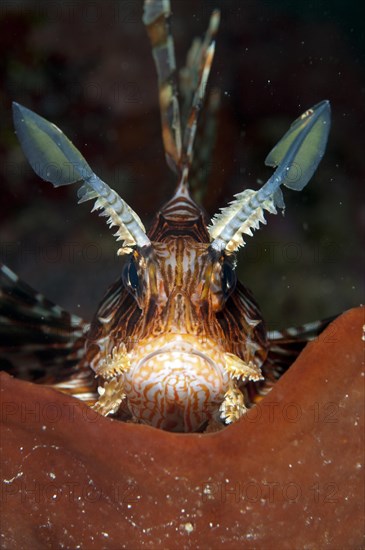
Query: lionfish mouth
x=179 y=350
x=176 y=382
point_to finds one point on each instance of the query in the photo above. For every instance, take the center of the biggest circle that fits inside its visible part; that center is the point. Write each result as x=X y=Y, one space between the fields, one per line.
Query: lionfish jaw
x=177 y=382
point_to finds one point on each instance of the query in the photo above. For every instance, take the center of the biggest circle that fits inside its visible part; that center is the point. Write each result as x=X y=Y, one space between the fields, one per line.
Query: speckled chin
x=176 y=383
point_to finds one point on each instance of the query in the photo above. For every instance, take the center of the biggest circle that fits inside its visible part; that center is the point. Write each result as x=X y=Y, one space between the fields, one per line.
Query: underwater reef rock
x=289 y=474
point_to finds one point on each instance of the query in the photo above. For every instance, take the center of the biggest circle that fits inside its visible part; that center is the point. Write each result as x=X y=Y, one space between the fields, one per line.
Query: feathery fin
x=302 y=147
x=55 y=159
x=296 y=156
x=38 y=339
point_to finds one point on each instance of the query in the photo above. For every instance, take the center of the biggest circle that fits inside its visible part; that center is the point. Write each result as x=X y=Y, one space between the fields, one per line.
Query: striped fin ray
x=38 y=339
x=193 y=81
x=189 y=75
x=55 y=159
x=285 y=345
x=157 y=19
x=296 y=156
x=81 y=385
x=204 y=146
x=191 y=126
x=284 y=348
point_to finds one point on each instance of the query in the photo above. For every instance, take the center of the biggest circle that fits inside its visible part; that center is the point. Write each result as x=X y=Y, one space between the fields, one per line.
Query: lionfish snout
x=176 y=383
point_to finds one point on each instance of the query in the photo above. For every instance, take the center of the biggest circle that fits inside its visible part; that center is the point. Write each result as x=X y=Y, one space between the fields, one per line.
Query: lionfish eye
x=130 y=276
x=228 y=279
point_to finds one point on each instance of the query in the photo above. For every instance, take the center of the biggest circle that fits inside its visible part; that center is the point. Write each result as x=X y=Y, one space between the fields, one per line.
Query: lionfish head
x=177 y=348
x=165 y=329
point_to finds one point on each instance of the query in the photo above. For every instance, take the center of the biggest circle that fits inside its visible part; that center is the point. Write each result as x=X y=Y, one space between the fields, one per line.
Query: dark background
x=87 y=67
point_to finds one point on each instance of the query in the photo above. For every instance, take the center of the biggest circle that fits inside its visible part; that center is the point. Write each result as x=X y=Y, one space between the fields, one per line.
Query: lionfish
x=177 y=342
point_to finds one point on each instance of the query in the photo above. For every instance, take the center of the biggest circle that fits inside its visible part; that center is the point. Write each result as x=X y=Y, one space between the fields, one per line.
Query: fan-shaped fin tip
x=296 y=157
x=301 y=149
x=49 y=152
x=55 y=159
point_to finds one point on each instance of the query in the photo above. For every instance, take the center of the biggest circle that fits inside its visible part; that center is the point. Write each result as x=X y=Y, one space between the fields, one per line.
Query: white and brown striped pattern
x=178 y=332
x=176 y=342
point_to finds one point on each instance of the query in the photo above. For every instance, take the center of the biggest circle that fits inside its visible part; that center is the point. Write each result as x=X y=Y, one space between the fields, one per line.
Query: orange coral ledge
x=290 y=474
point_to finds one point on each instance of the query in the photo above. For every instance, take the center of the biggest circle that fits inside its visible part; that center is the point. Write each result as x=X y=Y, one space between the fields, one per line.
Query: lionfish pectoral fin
x=81 y=384
x=284 y=348
x=111 y=396
x=286 y=345
x=38 y=339
x=296 y=156
x=55 y=159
